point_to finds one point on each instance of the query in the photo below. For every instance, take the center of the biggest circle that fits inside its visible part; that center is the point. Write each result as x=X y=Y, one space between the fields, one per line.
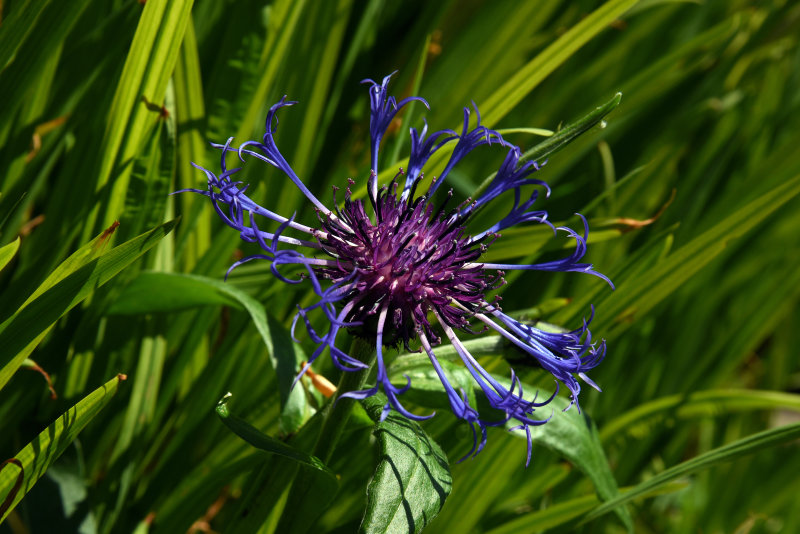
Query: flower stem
x=338 y=411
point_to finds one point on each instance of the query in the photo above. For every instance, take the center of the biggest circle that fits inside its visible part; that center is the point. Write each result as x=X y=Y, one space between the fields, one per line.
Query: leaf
x=32 y=461
x=17 y=25
x=151 y=179
x=529 y=76
x=276 y=50
x=412 y=479
x=641 y=293
x=563 y=137
x=74 y=280
x=574 y=436
x=568 y=433
x=257 y=439
x=701 y=403
x=262 y=495
x=503 y=100
x=191 y=147
x=160 y=292
x=43 y=41
x=7 y=252
x=138 y=98
x=562 y=512
x=749 y=445
x=534 y=238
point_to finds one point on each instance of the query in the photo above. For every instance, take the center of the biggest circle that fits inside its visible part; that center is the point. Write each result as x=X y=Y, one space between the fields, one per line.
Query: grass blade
x=749 y=445
x=32 y=461
x=7 y=252
x=72 y=282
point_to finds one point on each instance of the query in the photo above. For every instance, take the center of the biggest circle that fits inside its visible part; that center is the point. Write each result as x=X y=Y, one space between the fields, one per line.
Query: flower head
x=404 y=269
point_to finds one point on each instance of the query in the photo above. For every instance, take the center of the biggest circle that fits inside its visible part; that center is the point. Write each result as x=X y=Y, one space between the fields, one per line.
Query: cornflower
x=391 y=277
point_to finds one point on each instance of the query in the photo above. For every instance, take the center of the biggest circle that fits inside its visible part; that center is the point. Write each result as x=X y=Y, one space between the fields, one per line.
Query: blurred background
x=689 y=186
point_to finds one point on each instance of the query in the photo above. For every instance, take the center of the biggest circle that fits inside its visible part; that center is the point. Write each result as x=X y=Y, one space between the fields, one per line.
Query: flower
x=406 y=269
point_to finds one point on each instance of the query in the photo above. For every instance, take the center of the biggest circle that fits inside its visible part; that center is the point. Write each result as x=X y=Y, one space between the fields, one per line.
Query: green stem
x=338 y=411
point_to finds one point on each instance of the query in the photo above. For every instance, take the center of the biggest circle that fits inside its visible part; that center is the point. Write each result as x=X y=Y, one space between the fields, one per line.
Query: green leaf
x=532 y=239
x=563 y=137
x=560 y=513
x=264 y=495
x=43 y=41
x=699 y=404
x=412 y=479
x=503 y=100
x=19 y=474
x=568 y=433
x=257 y=439
x=749 y=445
x=190 y=109
x=160 y=292
x=138 y=99
x=16 y=26
x=276 y=50
x=73 y=281
x=7 y=252
x=151 y=179
x=536 y=70
x=574 y=436
x=641 y=293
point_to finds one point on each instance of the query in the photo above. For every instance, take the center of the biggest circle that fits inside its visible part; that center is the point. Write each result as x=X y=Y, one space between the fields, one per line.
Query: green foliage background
x=690 y=186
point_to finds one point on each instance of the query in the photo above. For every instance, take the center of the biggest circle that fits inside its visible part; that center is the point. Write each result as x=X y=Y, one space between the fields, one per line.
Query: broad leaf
x=412 y=479
x=569 y=433
x=574 y=436
x=160 y=292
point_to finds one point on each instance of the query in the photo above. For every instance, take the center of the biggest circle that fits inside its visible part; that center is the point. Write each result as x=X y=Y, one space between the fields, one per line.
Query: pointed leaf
x=549 y=59
x=68 y=285
x=19 y=474
x=563 y=137
x=560 y=513
x=412 y=479
x=257 y=439
x=715 y=402
x=569 y=433
x=749 y=445
x=160 y=292
x=7 y=252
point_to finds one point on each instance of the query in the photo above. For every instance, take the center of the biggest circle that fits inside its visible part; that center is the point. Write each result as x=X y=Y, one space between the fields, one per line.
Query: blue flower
x=406 y=271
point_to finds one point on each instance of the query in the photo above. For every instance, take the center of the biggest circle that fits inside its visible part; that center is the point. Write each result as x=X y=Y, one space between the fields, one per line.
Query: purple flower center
x=411 y=259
